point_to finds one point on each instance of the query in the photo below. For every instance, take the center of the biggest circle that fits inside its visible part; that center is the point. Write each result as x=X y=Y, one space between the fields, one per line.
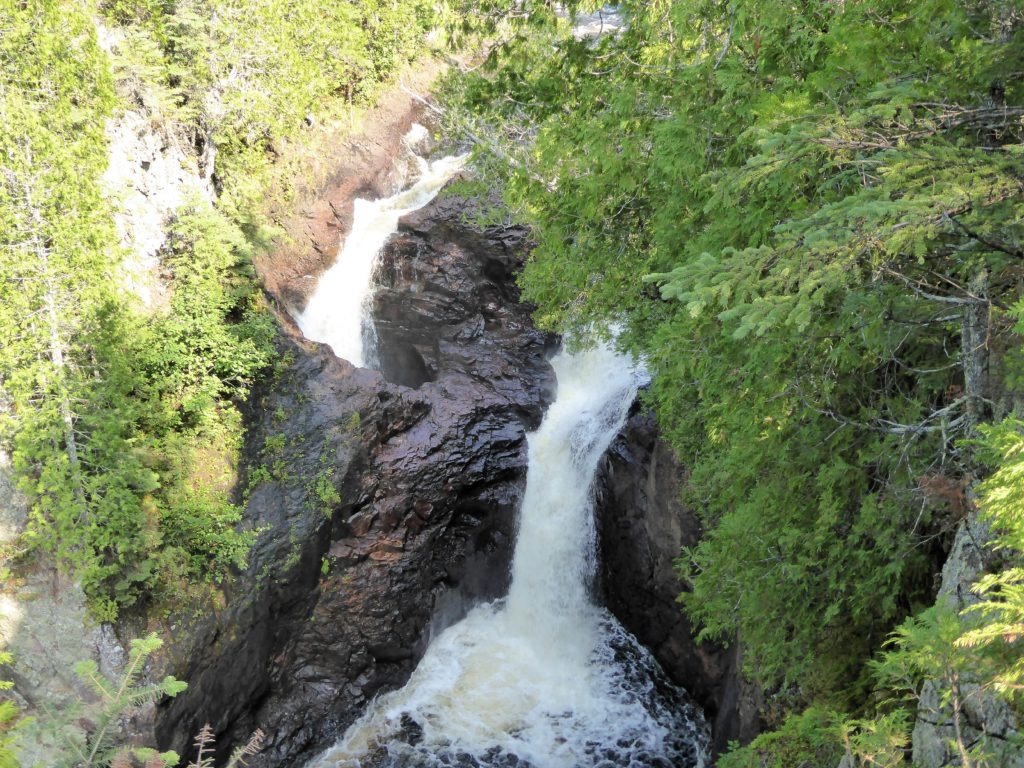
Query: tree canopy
x=808 y=219
x=124 y=424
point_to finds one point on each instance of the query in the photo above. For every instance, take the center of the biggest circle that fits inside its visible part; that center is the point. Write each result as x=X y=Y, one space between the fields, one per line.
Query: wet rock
x=447 y=299
x=370 y=161
x=642 y=528
x=337 y=601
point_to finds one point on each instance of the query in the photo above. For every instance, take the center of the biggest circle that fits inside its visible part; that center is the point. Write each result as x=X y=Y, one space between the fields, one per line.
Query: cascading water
x=544 y=678
x=337 y=313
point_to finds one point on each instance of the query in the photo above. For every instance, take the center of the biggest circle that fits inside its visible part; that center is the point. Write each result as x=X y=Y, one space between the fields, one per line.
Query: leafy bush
x=807 y=740
x=10 y=721
x=807 y=220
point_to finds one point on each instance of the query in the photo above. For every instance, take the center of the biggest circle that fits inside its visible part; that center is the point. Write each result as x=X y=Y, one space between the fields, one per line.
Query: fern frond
x=204 y=748
x=251 y=748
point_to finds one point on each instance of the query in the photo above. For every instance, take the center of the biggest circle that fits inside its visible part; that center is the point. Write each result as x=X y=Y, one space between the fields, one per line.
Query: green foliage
x=10 y=718
x=878 y=742
x=10 y=721
x=967 y=657
x=326 y=493
x=153 y=429
x=925 y=650
x=125 y=428
x=995 y=628
x=322 y=489
x=821 y=197
x=243 y=75
x=922 y=648
x=216 y=339
x=807 y=740
x=115 y=700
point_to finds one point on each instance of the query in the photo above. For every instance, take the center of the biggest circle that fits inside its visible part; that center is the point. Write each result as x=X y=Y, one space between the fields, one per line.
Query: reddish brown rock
x=354 y=162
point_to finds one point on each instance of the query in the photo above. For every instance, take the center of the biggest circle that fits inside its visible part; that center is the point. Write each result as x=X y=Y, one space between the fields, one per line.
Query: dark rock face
x=430 y=318
x=386 y=493
x=390 y=508
x=642 y=526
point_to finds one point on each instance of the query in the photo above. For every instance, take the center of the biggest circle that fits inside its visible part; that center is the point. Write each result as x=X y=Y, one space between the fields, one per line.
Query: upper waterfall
x=336 y=313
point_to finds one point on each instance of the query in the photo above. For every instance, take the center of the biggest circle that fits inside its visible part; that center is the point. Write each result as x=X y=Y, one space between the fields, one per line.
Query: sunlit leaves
x=787 y=205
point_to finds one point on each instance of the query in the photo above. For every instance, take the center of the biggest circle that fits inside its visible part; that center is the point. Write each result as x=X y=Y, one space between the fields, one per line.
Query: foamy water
x=544 y=678
x=338 y=311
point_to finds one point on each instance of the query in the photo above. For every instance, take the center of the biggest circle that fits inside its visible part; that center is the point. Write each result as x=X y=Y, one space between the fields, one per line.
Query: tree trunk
x=974 y=351
x=55 y=341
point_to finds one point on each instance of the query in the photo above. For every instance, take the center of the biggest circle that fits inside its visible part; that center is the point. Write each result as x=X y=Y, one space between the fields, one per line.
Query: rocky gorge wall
x=643 y=527
x=385 y=501
x=378 y=498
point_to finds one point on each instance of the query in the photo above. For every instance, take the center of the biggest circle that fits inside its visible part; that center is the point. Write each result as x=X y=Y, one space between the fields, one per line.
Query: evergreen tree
x=124 y=426
x=807 y=218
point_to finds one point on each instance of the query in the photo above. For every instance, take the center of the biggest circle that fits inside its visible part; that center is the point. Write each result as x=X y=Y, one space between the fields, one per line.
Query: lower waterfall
x=544 y=678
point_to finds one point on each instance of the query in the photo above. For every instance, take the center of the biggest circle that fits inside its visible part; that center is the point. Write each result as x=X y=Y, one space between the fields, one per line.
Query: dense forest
x=123 y=423
x=807 y=218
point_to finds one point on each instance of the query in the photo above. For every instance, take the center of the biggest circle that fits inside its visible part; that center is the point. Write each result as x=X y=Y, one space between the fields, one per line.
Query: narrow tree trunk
x=55 y=341
x=957 y=704
x=57 y=358
x=974 y=351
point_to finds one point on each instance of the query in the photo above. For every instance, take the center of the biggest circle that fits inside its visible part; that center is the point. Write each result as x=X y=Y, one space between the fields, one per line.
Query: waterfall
x=544 y=678
x=338 y=311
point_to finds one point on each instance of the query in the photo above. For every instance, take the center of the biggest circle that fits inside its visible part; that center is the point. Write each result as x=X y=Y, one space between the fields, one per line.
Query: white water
x=337 y=313
x=543 y=678
x=606 y=21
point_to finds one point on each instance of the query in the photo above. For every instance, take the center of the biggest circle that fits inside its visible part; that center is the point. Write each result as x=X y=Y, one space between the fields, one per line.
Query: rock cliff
x=642 y=527
x=381 y=494
x=987 y=718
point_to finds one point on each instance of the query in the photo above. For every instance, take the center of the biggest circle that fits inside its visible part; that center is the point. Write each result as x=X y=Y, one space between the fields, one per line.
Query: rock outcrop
x=151 y=174
x=380 y=497
x=642 y=527
x=986 y=719
x=370 y=162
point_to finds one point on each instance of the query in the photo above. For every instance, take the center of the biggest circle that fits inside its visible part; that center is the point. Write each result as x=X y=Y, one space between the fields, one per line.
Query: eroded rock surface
x=381 y=499
x=430 y=318
x=371 y=162
x=642 y=527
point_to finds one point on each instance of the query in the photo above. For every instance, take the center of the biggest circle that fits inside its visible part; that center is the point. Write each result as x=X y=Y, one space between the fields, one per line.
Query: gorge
x=540 y=677
x=311 y=405
x=430 y=474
